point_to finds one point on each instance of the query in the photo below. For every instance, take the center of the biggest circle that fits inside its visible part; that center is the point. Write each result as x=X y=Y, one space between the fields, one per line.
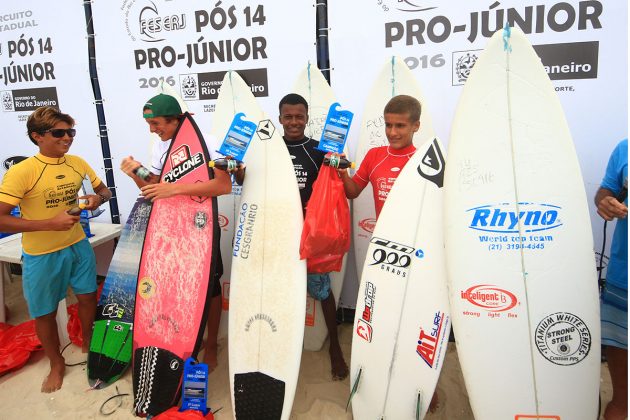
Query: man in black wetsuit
x=307 y=160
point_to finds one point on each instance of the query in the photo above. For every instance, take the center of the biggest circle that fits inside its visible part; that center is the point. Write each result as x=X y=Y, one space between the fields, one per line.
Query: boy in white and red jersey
x=382 y=165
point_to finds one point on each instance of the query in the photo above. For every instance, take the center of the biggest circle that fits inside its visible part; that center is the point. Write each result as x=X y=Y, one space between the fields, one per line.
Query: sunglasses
x=60 y=132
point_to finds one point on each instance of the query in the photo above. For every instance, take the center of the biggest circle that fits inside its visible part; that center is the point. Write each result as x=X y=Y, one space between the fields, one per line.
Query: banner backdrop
x=44 y=61
x=190 y=44
x=582 y=44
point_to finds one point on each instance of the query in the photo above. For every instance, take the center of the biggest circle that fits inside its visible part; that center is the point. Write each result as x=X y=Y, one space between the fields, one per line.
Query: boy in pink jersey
x=382 y=165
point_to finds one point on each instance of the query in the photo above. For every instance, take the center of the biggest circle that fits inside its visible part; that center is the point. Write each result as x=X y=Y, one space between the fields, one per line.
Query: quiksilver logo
x=12 y=161
x=505 y=218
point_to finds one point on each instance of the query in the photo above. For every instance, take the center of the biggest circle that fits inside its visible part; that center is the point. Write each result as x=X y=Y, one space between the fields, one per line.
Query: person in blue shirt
x=612 y=203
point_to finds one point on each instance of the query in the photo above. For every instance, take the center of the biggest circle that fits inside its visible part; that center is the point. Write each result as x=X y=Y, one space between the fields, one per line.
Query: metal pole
x=323 y=52
x=107 y=157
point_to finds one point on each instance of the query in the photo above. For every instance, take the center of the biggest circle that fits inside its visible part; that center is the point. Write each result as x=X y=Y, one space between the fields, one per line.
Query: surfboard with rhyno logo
x=268 y=279
x=402 y=319
x=313 y=87
x=110 y=347
x=519 y=249
x=178 y=257
x=395 y=78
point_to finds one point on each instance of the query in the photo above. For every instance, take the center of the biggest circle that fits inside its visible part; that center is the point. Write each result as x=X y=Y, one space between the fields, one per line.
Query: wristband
x=103 y=199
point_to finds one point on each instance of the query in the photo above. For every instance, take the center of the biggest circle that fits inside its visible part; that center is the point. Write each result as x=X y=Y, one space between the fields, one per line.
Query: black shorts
x=216 y=278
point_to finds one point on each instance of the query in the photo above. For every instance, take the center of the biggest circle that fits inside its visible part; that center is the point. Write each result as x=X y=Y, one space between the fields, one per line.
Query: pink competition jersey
x=380 y=167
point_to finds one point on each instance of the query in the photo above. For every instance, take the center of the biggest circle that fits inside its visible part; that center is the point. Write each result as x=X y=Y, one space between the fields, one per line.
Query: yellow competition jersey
x=43 y=187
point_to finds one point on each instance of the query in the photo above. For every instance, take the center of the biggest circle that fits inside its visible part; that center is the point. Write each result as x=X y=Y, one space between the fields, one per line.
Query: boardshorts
x=614 y=313
x=318 y=285
x=46 y=277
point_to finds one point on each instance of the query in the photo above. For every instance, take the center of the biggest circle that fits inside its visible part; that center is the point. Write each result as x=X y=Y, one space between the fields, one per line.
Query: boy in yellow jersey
x=55 y=251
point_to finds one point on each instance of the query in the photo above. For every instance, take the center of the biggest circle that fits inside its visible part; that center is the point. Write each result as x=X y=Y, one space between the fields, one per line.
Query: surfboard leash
x=600 y=268
x=393 y=76
x=118 y=395
x=72 y=364
x=621 y=197
x=232 y=88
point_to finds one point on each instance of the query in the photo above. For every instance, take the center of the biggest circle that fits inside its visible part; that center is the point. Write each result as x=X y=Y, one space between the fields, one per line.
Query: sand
x=317 y=396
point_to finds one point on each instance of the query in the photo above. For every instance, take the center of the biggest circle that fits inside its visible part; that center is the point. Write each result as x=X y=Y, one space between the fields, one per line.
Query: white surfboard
x=268 y=284
x=167 y=89
x=228 y=204
x=520 y=261
x=394 y=79
x=312 y=86
x=402 y=319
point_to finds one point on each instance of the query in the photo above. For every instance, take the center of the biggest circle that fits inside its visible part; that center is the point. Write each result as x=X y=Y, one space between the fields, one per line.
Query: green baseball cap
x=161 y=106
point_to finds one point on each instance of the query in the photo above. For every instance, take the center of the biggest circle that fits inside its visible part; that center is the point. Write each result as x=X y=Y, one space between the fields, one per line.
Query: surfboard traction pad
x=258 y=396
x=148 y=361
x=107 y=362
x=110 y=350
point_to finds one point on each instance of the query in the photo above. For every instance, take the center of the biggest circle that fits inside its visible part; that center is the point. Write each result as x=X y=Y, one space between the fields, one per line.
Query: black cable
x=621 y=197
x=118 y=395
x=600 y=281
x=72 y=364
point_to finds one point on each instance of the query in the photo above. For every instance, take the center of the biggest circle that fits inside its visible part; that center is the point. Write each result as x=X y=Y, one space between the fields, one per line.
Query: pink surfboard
x=179 y=254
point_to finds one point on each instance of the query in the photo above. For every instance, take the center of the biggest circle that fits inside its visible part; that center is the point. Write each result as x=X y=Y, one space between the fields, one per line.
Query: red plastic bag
x=326 y=229
x=74 y=323
x=173 y=413
x=324 y=264
x=16 y=345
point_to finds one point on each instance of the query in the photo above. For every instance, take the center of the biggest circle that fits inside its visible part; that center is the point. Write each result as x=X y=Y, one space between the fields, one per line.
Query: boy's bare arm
x=128 y=165
x=220 y=185
x=11 y=224
x=350 y=187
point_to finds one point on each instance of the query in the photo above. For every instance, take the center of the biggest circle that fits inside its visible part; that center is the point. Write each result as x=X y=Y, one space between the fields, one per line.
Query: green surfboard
x=111 y=346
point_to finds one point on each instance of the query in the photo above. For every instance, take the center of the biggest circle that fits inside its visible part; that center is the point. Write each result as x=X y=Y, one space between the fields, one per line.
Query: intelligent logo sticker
x=490 y=298
x=368 y=224
x=223 y=221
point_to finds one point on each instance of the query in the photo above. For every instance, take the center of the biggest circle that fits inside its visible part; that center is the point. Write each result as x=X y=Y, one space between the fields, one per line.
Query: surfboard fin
x=418 y=404
x=355 y=387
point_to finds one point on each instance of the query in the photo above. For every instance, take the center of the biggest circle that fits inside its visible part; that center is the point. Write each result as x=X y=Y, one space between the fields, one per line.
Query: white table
x=11 y=252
